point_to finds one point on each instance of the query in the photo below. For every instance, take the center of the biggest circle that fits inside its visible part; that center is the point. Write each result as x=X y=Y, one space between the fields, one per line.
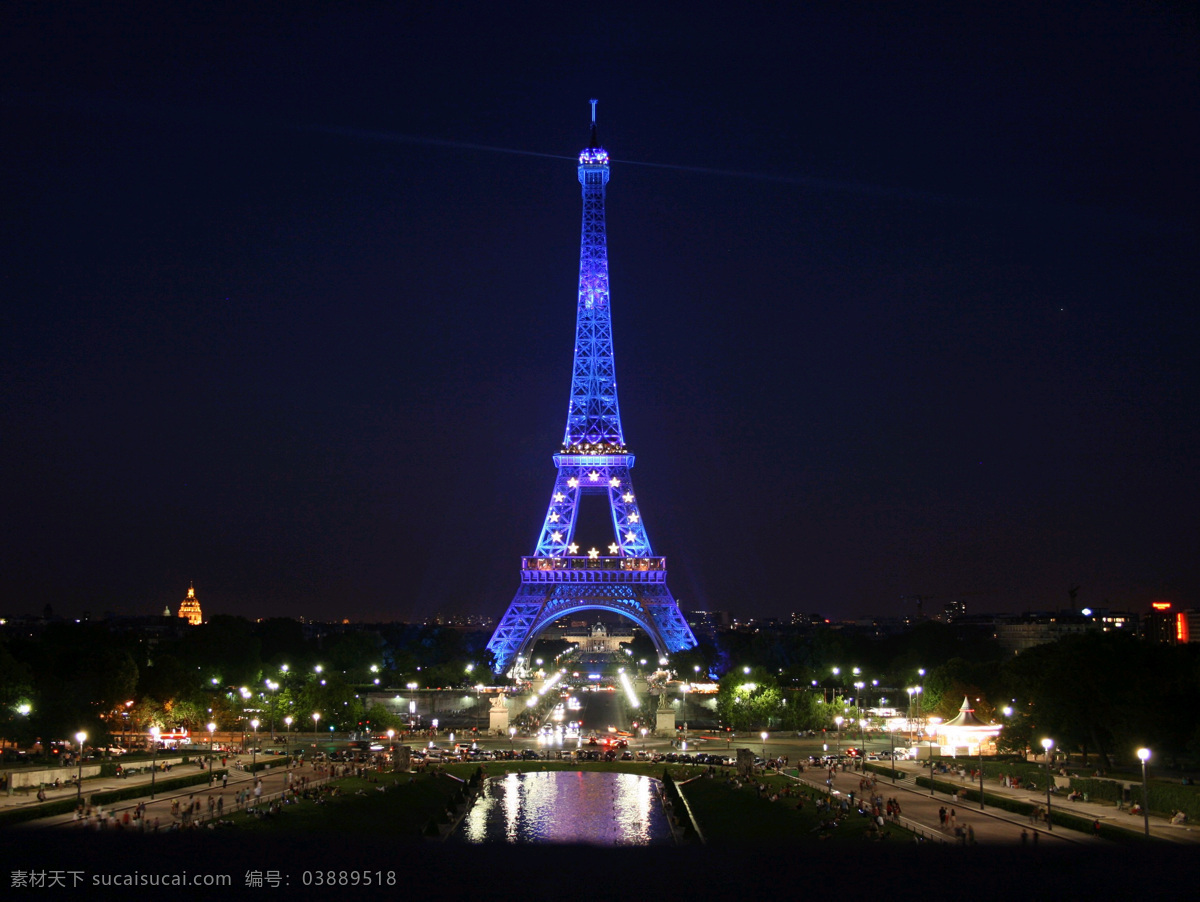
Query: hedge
x=1098 y=790
x=143 y=789
x=1162 y=798
x=1167 y=798
x=34 y=812
x=1027 y=771
x=883 y=771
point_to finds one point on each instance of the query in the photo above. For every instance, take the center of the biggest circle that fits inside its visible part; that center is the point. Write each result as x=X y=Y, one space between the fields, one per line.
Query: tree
x=749 y=701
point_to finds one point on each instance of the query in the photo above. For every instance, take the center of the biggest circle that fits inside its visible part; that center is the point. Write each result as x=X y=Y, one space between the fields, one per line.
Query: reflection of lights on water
x=568 y=807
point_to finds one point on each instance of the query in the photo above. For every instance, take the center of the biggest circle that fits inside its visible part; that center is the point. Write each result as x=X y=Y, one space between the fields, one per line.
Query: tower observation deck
x=559 y=580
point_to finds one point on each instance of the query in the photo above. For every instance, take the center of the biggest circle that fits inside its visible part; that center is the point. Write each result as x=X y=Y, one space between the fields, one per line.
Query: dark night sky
x=904 y=299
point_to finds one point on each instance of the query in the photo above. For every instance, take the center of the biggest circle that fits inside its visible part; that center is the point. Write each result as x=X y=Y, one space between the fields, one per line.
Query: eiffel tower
x=557 y=580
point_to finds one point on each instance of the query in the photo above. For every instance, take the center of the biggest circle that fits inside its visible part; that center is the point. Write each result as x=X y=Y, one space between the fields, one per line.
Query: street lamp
x=254 y=748
x=512 y=738
x=1048 y=744
x=212 y=728
x=287 y=743
x=858 y=685
x=644 y=731
x=838 y=720
x=80 y=737
x=892 y=752
x=764 y=739
x=392 y=747
x=911 y=691
x=154 y=734
x=1144 y=756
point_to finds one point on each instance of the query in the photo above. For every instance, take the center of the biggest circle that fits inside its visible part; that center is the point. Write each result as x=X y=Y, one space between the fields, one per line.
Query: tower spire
x=593 y=417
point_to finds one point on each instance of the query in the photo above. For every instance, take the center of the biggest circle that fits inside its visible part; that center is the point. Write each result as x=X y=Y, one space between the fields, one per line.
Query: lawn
x=728 y=815
x=402 y=809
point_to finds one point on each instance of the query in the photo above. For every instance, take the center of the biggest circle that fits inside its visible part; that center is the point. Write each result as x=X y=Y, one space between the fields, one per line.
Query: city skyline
x=901 y=304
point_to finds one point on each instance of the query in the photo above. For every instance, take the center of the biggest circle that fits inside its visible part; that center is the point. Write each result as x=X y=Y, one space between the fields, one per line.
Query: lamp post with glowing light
x=838 y=720
x=80 y=737
x=392 y=747
x=764 y=739
x=1144 y=756
x=212 y=729
x=254 y=748
x=154 y=734
x=512 y=738
x=287 y=743
x=892 y=752
x=644 y=731
x=1048 y=744
x=859 y=685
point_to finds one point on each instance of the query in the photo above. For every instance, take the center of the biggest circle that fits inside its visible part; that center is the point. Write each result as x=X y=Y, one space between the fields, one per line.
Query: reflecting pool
x=567 y=807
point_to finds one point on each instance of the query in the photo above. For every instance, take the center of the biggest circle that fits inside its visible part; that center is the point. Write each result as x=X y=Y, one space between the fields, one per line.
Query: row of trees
x=1104 y=694
x=229 y=670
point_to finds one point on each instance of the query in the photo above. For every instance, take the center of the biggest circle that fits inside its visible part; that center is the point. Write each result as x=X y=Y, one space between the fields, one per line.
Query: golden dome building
x=189 y=608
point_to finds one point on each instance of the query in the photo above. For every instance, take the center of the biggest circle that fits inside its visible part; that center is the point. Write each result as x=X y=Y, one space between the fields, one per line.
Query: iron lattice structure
x=557 y=580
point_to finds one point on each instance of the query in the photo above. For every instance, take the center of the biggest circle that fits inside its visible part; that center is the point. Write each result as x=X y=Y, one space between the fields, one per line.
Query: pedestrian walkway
x=990 y=827
x=1109 y=815
x=234 y=777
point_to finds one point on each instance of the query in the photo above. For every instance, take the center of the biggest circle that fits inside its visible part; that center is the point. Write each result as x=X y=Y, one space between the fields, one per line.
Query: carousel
x=966 y=734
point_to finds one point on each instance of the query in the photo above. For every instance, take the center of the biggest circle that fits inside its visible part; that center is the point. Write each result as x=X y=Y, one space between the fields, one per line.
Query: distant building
x=1015 y=634
x=954 y=610
x=189 y=608
x=599 y=639
x=709 y=621
x=464 y=622
x=1165 y=624
x=806 y=620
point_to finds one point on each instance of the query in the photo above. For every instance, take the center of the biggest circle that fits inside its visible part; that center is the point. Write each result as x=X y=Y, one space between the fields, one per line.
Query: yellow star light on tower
x=630 y=537
x=573 y=482
x=593 y=476
x=627 y=497
x=614 y=482
x=556 y=536
x=593 y=553
x=633 y=518
x=573 y=548
x=554 y=516
x=559 y=497
x=613 y=548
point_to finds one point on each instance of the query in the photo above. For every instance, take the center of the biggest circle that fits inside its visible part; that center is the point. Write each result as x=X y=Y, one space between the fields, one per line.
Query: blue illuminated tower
x=558 y=579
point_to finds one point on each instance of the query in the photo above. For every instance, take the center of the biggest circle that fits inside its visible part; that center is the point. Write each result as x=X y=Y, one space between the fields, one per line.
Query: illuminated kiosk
x=966 y=734
x=558 y=580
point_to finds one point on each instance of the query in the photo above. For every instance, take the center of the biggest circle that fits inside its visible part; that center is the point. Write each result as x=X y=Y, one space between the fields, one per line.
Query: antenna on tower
x=594 y=102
